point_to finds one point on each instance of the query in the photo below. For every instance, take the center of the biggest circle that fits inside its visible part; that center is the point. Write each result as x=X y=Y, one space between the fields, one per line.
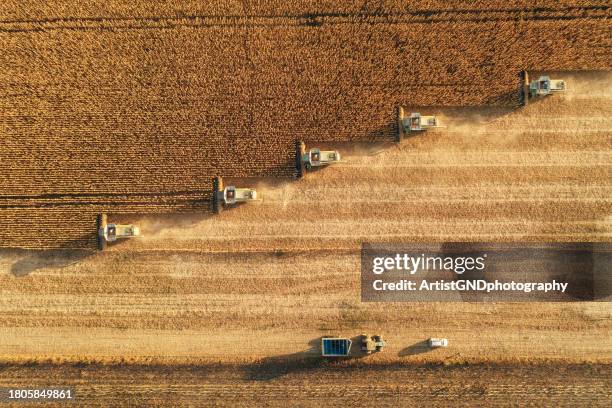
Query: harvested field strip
x=268 y=384
x=478 y=159
x=282 y=341
x=371 y=229
x=160 y=301
x=429 y=193
x=462 y=176
x=365 y=213
x=184 y=317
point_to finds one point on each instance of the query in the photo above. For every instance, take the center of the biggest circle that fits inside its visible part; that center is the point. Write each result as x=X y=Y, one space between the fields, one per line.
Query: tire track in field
x=310 y=19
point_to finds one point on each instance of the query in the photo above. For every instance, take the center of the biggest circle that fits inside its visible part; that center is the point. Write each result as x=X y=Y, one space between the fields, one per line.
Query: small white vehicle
x=436 y=342
x=545 y=86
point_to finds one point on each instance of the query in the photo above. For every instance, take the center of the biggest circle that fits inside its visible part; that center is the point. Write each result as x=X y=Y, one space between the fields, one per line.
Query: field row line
x=426 y=13
x=308 y=20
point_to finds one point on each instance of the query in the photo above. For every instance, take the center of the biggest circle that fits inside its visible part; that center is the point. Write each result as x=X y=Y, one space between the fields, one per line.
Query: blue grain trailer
x=335 y=347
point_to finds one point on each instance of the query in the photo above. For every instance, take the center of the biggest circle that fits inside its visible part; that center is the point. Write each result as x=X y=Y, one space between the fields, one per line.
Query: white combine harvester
x=315 y=157
x=230 y=195
x=415 y=122
x=543 y=86
x=112 y=232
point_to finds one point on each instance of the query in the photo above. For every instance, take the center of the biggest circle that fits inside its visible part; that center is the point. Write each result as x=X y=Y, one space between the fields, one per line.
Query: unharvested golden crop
x=129 y=104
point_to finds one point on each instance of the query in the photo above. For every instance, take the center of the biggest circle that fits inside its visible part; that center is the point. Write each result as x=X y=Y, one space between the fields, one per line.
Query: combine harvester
x=230 y=195
x=315 y=157
x=543 y=86
x=111 y=232
x=413 y=123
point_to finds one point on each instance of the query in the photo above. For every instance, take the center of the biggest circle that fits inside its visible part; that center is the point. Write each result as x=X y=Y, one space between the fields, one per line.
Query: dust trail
x=482 y=146
x=504 y=128
x=281 y=194
x=171 y=226
x=588 y=85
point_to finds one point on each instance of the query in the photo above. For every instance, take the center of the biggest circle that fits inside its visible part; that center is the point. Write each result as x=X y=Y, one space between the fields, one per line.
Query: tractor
x=370 y=344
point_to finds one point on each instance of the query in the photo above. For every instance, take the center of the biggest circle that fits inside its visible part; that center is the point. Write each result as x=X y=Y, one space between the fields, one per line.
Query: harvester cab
x=545 y=86
x=114 y=231
x=111 y=232
x=415 y=122
x=370 y=344
x=316 y=157
x=230 y=195
x=233 y=195
x=542 y=86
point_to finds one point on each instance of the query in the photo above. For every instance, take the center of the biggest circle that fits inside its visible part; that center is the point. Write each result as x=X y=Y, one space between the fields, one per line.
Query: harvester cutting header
x=542 y=86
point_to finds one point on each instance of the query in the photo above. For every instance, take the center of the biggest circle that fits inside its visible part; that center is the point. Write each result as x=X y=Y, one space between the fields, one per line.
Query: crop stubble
x=267 y=278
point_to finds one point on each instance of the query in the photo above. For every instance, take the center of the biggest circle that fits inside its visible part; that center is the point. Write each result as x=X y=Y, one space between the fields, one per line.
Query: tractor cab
x=371 y=344
x=315 y=157
x=229 y=195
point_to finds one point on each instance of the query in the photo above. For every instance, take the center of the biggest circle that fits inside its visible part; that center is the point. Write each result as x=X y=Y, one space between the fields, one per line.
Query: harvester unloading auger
x=542 y=86
x=111 y=232
x=230 y=195
x=415 y=122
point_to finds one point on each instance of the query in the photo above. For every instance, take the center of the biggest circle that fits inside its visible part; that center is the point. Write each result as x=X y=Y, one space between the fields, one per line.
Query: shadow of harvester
x=28 y=261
